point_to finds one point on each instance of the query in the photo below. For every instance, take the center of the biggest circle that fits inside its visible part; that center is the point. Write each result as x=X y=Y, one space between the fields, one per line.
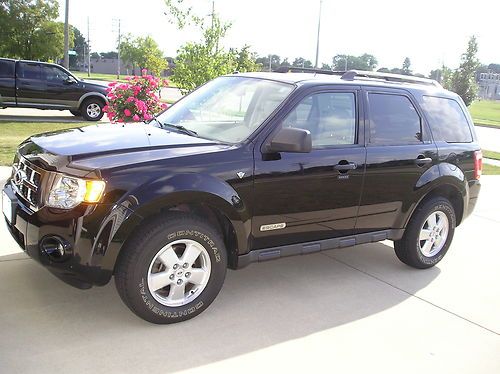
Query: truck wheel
x=172 y=269
x=92 y=109
x=76 y=113
x=428 y=235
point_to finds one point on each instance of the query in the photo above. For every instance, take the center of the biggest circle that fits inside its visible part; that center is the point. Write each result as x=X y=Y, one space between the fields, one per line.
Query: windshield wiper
x=180 y=128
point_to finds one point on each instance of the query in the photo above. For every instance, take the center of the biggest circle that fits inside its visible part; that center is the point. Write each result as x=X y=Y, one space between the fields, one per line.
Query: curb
x=485 y=125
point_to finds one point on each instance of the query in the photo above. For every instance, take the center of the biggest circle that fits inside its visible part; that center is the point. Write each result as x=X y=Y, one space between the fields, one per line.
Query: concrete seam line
x=15 y=259
x=412 y=295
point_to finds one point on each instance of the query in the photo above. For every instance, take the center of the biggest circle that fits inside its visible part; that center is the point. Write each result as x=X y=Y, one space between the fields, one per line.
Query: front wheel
x=92 y=109
x=428 y=235
x=172 y=269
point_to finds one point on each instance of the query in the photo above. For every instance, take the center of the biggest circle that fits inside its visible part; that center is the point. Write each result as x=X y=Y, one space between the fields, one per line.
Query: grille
x=26 y=180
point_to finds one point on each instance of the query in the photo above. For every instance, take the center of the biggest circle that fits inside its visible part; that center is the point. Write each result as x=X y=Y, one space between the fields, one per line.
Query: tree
x=201 y=61
x=80 y=44
x=285 y=62
x=275 y=62
x=245 y=60
x=29 y=30
x=494 y=68
x=436 y=74
x=109 y=55
x=406 y=66
x=349 y=62
x=326 y=67
x=301 y=62
x=143 y=53
x=463 y=80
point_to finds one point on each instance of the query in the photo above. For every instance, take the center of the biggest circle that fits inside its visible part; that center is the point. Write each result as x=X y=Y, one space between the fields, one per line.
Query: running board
x=266 y=254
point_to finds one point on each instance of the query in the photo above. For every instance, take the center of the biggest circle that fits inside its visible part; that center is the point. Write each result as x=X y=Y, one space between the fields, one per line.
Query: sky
x=429 y=32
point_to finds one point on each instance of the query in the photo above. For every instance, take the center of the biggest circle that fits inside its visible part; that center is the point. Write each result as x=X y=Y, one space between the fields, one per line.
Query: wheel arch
x=92 y=94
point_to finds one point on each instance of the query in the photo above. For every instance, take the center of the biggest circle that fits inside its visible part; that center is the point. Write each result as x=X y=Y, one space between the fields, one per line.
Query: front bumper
x=91 y=232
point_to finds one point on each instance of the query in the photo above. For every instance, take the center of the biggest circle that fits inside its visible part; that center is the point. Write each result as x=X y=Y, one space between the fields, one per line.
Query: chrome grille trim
x=26 y=181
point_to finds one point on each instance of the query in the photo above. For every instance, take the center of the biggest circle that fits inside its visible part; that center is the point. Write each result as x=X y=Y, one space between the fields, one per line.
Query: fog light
x=55 y=247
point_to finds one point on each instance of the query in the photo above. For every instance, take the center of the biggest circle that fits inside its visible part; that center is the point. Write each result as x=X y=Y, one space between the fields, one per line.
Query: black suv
x=247 y=168
x=40 y=85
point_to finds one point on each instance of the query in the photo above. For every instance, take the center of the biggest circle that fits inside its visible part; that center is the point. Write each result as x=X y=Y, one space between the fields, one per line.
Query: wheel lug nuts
x=176 y=266
x=185 y=265
x=188 y=275
x=171 y=277
x=179 y=282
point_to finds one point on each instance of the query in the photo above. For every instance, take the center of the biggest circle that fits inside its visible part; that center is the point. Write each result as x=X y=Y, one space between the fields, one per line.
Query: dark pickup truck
x=32 y=84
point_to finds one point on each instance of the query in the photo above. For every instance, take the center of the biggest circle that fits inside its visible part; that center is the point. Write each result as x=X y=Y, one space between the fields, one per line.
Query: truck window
x=393 y=120
x=7 y=69
x=447 y=120
x=29 y=71
x=53 y=74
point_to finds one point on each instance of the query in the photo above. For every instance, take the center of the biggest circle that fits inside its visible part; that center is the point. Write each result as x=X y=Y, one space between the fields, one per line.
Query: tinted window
x=7 y=69
x=447 y=120
x=394 y=120
x=330 y=117
x=53 y=74
x=29 y=71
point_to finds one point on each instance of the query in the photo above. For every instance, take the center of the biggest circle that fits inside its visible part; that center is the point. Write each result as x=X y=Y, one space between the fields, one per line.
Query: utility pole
x=88 y=43
x=317 y=40
x=66 y=36
x=270 y=65
x=119 y=44
x=213 y=12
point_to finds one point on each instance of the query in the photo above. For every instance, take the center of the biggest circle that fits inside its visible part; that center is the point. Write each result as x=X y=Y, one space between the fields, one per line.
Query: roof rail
x=352 y=74
x=296 y=69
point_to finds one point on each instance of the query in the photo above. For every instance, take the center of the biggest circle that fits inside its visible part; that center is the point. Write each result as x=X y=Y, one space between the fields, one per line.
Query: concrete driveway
x=350 y=310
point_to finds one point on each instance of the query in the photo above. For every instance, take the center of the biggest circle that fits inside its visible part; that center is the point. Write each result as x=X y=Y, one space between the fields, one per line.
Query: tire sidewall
x=144 y=302
x=433 y=206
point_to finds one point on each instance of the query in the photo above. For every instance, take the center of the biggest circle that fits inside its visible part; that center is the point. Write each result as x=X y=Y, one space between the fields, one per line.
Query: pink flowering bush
x=134 y=101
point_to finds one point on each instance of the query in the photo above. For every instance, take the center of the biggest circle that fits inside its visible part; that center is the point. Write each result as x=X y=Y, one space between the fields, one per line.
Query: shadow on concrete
x=259 y=306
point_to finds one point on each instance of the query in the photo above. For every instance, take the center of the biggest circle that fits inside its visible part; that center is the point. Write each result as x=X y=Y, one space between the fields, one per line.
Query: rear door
x=7 y=83
x=399 y=151
x=30 y=87
x=301 y=197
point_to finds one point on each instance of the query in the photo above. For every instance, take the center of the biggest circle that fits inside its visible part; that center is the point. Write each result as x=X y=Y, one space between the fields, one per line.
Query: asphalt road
x=349 y=310
x=489 y=138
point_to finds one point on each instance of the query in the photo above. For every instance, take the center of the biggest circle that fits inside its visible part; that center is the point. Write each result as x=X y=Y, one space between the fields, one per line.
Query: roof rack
x=295 y=69
x=352 y=74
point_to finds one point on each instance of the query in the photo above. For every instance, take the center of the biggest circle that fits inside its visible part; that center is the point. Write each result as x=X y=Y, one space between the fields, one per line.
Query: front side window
x=330 y=117
x=228 y=109
x=447 y=120
x=393 y=120
x=53 y=74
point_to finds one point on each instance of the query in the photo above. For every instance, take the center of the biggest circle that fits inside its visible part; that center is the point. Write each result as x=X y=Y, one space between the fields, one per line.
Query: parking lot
x=355 y=309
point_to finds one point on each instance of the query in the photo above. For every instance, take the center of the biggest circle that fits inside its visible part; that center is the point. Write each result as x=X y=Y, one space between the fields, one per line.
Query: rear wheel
x=91 y=109
x=428 y=235
x=172 y=269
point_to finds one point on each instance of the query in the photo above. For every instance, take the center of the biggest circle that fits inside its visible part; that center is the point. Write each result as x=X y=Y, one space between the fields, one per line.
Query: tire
x=76 y=113
x=158 y=248
x=414 y=249
x=91 y=109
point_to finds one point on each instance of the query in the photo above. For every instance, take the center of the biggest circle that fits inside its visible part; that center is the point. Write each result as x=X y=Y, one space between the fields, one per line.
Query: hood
x=94 y=85
x=109 y=145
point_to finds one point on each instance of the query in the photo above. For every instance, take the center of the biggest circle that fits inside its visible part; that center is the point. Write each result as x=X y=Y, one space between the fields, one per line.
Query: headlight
x=68 y=192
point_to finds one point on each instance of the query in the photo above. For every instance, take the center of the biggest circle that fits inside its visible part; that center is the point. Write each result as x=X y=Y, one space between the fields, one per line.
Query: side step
x=273 y=253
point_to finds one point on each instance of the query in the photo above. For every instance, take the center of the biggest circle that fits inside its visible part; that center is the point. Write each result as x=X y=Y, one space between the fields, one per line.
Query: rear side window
x=29 y=71
x=7 y=69
x=447 y=120
x=394 y=120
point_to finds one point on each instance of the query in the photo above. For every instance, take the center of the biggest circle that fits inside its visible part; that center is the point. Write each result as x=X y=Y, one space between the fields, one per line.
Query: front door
x=61 y=92
x=304 y=197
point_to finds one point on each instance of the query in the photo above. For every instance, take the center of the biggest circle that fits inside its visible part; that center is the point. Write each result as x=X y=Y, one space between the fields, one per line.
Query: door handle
x=421 y=160
x=343 y=167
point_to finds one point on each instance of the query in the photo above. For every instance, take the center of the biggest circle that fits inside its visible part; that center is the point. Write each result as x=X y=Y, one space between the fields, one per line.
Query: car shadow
x=259 y=306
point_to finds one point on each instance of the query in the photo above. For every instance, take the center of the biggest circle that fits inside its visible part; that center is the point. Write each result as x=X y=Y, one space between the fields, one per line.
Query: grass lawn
x=486 y=112
x=490 y=169
x=13 y=133
x=106 y=77
x=491 y=154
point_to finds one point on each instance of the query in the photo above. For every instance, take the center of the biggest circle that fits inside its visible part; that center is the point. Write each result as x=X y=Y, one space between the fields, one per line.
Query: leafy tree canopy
x=348 y=62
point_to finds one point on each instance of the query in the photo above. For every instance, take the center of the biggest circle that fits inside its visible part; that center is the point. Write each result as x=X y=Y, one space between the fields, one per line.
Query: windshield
x=227 y=109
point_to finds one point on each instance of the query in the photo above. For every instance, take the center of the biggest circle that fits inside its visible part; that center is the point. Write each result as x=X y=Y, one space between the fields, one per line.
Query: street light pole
x=66 y=36
x=317 y=40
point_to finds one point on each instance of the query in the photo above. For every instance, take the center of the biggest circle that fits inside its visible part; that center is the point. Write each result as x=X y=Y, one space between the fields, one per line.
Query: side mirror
x=70 y=80
x=291 y=140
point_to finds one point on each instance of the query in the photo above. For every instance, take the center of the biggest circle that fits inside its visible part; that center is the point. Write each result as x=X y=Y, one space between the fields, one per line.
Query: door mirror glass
x=70 y=80
x=290 y=139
